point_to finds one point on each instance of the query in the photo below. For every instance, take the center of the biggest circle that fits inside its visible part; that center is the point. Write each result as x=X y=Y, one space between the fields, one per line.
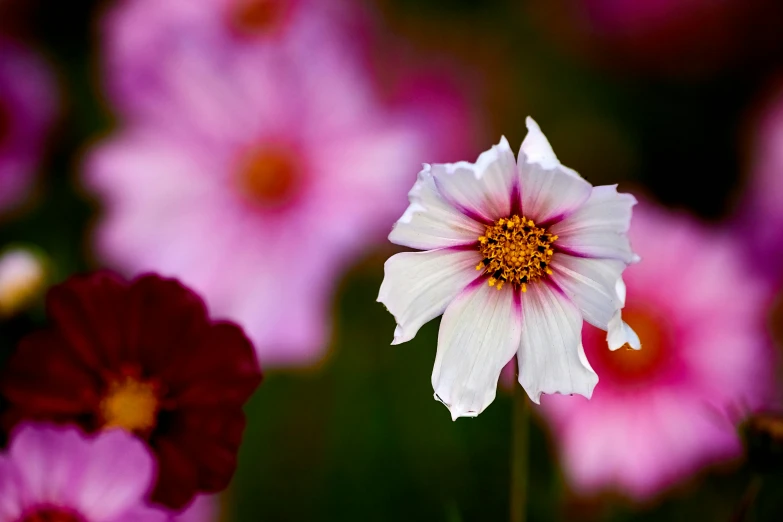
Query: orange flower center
x=515 y=251
x=629 y=365
x=130 y=404
x=253 y=17
x=269 y=176
x=51 y=514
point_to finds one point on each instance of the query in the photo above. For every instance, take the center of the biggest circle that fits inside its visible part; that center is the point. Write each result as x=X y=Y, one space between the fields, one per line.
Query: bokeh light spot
x=270 y=176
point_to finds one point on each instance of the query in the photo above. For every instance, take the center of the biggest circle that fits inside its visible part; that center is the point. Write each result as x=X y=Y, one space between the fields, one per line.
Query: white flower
x=517 y=253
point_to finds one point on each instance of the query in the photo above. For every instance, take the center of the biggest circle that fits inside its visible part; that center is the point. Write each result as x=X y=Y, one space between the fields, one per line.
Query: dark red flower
x=143 y=356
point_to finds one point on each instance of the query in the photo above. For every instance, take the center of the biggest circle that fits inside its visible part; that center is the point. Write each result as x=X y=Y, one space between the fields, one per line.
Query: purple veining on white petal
x=463 y=209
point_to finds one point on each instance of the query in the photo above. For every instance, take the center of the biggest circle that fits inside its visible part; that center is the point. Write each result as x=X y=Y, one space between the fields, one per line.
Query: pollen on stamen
x=515 y=251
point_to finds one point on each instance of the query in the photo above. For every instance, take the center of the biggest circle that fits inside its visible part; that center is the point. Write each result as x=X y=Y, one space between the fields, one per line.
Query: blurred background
x=260 y=150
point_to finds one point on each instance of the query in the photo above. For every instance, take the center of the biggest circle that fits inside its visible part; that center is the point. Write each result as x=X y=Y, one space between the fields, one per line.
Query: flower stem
x=519 y=435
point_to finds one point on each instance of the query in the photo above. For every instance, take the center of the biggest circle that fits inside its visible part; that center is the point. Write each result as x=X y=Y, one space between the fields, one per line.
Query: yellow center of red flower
x=130 y=404
x=269 y=176
x=254 y=17
x=515 y=251
x=51 y=514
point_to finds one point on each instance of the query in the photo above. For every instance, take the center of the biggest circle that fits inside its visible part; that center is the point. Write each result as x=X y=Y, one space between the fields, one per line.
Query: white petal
x=621 y=290
x=550 y=192
x=430 y=221
x=478 y=335
x=590 y=283
x=619 y=334
x=549 y=355
x=536 y=147
x=418 y=286
x=600 y=227
x=482 y=190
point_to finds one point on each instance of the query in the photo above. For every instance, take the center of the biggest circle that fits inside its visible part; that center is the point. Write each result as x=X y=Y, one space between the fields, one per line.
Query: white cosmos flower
x=517 y=253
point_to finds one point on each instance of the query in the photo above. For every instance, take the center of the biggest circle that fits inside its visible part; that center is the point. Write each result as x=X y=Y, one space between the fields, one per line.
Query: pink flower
x=203 y=509
x=153 y=49
x=27 y=106
x=260 y=174
x=661 y=413
x=759 y=216
x=56 y=473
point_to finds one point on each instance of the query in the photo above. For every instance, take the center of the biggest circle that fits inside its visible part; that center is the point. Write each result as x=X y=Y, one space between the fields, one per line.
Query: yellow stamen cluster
x=130 y=404
x=515 y=251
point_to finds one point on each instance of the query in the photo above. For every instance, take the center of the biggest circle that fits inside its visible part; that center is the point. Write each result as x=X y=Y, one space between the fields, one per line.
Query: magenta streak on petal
x=516 y=199
x=473 y=245
x=559 y=217
x=551 y=283
x=466 y=211
x=518 y=299
x=570 y=252
x=473 y=284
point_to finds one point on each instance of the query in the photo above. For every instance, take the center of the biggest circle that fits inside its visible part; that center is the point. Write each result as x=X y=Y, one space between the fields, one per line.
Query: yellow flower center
x=130 y=404
x=515 y=251
x=269 y=176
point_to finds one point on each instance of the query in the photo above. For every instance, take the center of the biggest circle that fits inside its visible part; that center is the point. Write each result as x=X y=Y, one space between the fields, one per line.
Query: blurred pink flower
x=204 y=509
x=153 y=48
x=759 y=216
x=56 y=473
x=27 y=107
x=661 y=413
x=259 y=174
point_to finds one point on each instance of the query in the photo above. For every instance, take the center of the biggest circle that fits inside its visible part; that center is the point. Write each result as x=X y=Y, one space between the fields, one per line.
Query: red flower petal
x=88 y=311
x=46 y=379
x=202 y=379
x=177 y=475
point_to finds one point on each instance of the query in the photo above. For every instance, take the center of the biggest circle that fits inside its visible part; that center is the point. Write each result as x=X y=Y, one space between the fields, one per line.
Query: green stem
x=519 y=435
